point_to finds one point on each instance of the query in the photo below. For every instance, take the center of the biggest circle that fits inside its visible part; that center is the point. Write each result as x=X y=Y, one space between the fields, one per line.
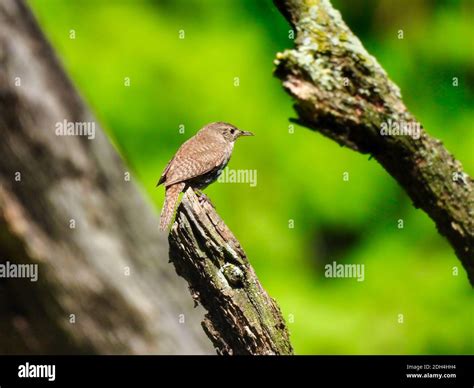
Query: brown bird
x=198 y=163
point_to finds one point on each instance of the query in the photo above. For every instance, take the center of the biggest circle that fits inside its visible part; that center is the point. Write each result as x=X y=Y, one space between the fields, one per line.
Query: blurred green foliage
x=190 y=82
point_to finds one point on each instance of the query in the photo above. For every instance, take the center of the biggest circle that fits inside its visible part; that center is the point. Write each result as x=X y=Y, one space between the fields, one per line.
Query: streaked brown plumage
x=198 y=162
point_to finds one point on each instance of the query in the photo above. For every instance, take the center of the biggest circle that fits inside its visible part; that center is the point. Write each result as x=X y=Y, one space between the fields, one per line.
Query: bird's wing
x=163 y=175
x=192 y=160
x=185 y=147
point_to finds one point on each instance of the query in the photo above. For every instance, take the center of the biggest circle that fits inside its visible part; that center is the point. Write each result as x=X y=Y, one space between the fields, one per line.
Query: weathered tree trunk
x=343 y=92
x=242 y=318
x=66 y=204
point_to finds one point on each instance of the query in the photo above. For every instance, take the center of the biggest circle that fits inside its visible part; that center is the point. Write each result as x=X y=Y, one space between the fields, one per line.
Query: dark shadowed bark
x=343 y=92
x=67 y=205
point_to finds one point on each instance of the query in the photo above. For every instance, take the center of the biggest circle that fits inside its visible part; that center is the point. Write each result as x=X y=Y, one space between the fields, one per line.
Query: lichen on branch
x=242 y=318
x=342 y=91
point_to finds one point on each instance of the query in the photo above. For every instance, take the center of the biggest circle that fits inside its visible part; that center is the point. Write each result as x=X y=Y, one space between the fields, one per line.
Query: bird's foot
x=203 y=198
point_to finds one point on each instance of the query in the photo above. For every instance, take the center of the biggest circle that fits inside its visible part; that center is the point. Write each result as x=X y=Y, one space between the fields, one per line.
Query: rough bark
x=242 y=318
x=82 y=270
x=343 y=92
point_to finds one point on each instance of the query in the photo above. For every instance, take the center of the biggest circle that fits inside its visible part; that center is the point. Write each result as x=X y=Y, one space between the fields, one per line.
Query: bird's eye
x=232 y=131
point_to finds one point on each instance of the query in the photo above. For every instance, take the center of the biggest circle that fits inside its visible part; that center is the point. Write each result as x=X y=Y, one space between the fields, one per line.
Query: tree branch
x=242 y=318
x=67 y=208
x=344 y=93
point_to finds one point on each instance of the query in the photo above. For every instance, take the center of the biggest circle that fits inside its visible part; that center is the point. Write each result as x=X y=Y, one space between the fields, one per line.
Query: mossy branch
x=342 y=91
x=242 y=318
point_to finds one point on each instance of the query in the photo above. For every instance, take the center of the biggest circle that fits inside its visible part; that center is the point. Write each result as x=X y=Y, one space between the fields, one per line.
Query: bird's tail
x=171 y=198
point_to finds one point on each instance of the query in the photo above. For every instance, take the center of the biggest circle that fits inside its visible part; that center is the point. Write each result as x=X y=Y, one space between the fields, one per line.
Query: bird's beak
x=246 y=133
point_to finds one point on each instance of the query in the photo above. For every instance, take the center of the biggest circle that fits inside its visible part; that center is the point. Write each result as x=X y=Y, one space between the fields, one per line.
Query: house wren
x=198 y=163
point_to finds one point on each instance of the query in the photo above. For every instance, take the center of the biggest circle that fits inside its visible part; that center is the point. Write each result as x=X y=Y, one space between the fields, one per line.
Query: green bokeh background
x=190 y=82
